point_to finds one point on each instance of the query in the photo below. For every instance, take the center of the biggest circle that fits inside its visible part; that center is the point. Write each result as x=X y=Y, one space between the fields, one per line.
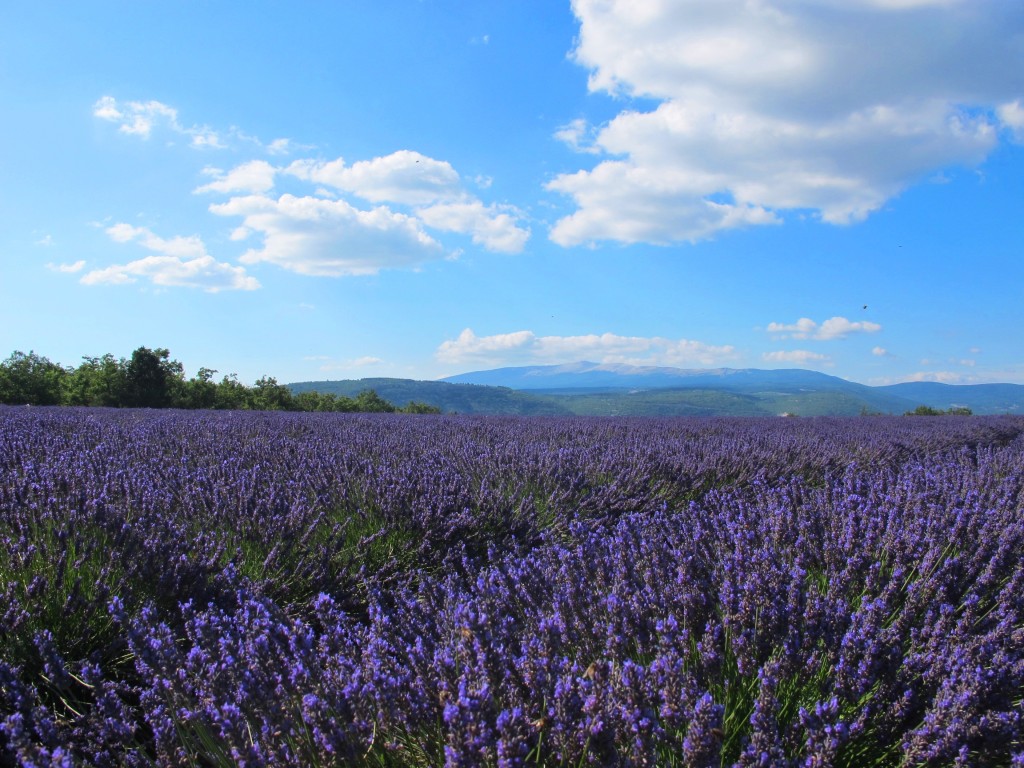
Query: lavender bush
x=195 y=589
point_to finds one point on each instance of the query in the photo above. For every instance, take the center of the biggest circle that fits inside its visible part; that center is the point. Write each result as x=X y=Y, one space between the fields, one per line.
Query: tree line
x=927 y=410
x=151 y=379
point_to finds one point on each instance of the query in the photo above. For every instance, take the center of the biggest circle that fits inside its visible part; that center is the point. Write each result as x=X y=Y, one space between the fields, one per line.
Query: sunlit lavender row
x=276 y=589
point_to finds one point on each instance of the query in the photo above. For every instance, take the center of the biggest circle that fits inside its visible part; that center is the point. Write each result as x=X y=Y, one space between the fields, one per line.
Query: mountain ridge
x=588 y=388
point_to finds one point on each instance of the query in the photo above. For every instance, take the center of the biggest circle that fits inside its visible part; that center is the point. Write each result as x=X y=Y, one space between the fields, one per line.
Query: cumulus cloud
x=401 y=177
x=177 y=261
x=880 y=352
x=332 y=236
x=527 y=347
x=765 y=107
x=801 y=356
x=833 y=328
x=491 y=226
x=313 y=236
x=431 y=188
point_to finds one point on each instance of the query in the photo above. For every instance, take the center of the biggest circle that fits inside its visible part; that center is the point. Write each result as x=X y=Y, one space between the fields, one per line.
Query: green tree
x=98 y=381
x=414 y=407
x=926 y=410
x=268 y=395
x=152 y=378
x=231 y=394
x=31 y=380
x=327 y=402
x=198 y=392
x=368 y=401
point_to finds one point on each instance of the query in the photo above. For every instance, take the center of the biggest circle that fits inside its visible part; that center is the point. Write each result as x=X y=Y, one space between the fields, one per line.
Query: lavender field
x=281 y=589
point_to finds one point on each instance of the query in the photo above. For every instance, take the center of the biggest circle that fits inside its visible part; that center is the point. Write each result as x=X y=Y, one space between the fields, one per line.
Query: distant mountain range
x=586 y=388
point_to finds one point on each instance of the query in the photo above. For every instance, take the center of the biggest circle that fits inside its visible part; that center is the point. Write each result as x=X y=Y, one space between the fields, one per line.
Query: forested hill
x=449 y=398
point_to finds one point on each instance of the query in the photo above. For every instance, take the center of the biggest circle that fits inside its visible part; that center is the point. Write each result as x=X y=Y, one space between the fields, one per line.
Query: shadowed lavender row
x=294 y=589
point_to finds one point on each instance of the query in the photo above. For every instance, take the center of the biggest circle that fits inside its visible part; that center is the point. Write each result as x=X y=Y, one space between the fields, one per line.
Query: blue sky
x=417 y=188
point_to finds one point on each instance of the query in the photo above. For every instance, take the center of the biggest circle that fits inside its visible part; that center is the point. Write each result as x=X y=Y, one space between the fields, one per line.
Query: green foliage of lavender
x=243 y=588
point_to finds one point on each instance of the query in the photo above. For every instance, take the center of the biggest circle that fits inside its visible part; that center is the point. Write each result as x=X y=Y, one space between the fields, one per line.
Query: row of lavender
x=285 y=589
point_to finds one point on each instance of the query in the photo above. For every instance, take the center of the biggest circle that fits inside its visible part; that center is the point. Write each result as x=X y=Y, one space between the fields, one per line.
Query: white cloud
x=578 y=135
x=136 y=117
x=802 y=356
x=432 y=186
x=326 y=235
x=769 y=106
x=254 y=176
x=77 y=266
x=527 y=347
x=139 y=118
x=313 y=236
x=833 y=328
x=489 y=226
x=182 y=261
x=840 y=327
x=359 y=362
x=401 y=177
x=943 y=377
x=880 y=352
x=801 y=329
x=279 y=147
x=1011 y=115
x=348 y=365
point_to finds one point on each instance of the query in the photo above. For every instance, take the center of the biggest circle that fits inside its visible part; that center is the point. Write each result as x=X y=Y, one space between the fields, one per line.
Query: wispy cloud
x=942 y=377
x=801 y=356
x=358 y=219
x=77 y=266
x=1011 y=115
x=527 y=347
x=146 y=118
x=253 y=177
x=140 y=118
x=351 y=365
x=177 y=261
x=579 y=135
